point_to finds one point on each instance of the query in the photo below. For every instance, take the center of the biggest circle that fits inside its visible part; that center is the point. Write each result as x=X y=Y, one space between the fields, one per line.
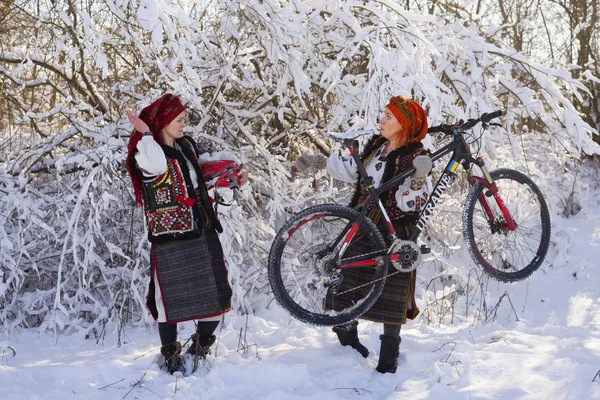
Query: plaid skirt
x=397 y=300
x=192 y=278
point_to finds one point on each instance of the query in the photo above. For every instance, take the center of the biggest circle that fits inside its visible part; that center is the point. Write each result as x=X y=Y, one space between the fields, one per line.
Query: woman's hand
x=243 y=175
x=137 y=123
x=306 y=161
x=423 y=165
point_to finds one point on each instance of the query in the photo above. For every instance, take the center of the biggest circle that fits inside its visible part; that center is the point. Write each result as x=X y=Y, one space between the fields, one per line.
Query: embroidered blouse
x=345 y=170
x=411 y=195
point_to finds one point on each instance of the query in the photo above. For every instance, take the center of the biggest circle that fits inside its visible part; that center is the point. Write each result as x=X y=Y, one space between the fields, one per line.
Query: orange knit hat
x=411 y=117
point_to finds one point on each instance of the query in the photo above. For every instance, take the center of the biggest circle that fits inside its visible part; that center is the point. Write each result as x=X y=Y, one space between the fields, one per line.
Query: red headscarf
x=157 y=115
x=411 y=117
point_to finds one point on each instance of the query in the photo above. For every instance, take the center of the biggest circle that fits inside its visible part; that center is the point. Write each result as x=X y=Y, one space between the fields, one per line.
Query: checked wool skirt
x=192 y=278
x=396 y=302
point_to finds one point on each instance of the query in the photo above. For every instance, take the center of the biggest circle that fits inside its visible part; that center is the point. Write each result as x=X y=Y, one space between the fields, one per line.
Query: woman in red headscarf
x=398 y=148
x=188 y=274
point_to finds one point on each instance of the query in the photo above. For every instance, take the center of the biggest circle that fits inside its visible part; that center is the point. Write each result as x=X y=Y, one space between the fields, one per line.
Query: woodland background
x=264 y=79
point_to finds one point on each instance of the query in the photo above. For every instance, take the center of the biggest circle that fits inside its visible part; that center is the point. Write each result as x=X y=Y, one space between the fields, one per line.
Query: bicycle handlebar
x=449 y=128
x=488 y=117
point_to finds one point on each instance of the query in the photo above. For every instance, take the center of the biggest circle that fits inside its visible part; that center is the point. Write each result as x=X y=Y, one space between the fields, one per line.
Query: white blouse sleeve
x=412 y=195
x=342 y=169
x=150 y=157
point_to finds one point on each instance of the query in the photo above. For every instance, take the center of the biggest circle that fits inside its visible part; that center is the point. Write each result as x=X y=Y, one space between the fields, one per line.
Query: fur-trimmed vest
x=172 y=208
x=397 y=162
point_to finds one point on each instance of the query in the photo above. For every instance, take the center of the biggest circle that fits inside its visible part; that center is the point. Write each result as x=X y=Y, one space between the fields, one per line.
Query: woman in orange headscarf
x=403 y=126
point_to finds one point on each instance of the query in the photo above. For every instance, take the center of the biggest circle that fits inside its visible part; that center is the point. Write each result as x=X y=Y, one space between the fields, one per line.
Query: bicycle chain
x=373 y=281
x=362 y=255
x=370 y=282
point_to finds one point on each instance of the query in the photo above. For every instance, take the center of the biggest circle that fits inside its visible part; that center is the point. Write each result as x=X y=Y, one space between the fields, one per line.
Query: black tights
x=168 y=332
x=391 y=330
x=388 y=330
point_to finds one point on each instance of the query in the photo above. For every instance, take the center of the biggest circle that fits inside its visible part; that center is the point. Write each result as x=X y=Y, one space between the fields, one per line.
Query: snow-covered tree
x=262 y=77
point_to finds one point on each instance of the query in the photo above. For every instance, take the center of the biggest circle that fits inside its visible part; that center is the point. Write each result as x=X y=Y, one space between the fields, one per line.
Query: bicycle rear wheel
x=507 y=255
x=305 y=276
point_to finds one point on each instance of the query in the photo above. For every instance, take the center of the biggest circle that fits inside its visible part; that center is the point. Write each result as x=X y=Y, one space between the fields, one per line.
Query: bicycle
x=506 y=227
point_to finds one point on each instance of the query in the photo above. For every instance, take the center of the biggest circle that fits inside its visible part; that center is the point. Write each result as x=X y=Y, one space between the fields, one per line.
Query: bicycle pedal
x=425 y=249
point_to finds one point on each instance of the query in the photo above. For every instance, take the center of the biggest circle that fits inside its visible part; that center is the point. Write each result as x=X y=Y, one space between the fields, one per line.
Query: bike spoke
x=517 y=251
x=308 y=280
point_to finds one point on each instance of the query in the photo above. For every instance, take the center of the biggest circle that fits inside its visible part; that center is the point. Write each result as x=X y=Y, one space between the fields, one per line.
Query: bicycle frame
x=460 y=156
x=311 y=255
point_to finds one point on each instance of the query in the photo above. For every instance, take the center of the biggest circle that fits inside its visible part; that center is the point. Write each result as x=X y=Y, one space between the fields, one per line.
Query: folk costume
x=403 y=203
x=188 y=274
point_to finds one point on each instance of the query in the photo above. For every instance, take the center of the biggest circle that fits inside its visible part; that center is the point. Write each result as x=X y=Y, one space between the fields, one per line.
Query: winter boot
x=201 y=345
x=348 y=336
x=173 y=357
x=388 y=354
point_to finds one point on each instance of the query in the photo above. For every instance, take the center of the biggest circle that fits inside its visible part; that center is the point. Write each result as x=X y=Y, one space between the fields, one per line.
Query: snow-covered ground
x=551 y=352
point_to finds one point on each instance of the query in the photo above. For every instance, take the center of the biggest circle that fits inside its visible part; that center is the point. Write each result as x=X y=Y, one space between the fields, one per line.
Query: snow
x=537 y=339
x=551 y=352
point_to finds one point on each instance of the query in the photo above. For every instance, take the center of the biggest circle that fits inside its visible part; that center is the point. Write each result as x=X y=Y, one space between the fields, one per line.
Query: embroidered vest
x=167 y=204
x=173 y=210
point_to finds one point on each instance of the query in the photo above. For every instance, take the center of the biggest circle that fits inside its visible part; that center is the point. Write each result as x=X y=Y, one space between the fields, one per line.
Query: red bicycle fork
x=509 y=223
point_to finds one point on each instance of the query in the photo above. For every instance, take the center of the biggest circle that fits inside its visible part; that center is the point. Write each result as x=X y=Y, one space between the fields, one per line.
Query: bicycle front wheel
x=507 y=255
x=304 y=265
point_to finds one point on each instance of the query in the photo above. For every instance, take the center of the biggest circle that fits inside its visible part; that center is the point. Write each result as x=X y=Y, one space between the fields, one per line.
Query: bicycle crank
x=408 y=255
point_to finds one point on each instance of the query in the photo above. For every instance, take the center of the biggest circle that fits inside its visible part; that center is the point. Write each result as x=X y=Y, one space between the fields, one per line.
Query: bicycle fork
x=509 y=223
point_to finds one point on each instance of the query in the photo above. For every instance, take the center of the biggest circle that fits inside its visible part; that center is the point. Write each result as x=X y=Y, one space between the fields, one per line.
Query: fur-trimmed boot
x=388 y=354
x=348 y=336
x=173 y=357
x=201 y=345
